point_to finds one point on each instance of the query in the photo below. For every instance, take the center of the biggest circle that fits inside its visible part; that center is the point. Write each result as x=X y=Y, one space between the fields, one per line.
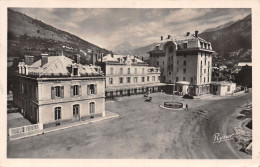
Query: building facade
x=56 y=90
x=185 y=62
x=128 y=75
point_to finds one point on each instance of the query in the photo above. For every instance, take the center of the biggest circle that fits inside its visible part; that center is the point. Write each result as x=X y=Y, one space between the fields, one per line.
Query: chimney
x=77 y=58
x=44 y=59
x=196 y=33
x=169 y=36
x=29 y=59
x=112 y=55
x=161 y=38
x=188 y=33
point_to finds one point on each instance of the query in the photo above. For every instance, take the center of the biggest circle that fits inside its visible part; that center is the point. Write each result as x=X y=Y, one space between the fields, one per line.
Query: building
x=222 y=88
x=185 y=61
x=128 y=75
x=242 y=64
x=57 y=90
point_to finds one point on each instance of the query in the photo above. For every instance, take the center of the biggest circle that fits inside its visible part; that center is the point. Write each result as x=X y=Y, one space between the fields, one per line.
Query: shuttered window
x=57 y=91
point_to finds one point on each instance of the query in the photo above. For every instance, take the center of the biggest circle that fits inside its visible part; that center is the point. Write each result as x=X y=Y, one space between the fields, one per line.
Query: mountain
x=127 y=49
x=31 y=36
x=236 y=36
x=124 y=48
x=219 y=27
x=232 y=38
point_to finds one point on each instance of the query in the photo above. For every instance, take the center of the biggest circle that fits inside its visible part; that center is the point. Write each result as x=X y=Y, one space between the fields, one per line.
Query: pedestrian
x=187 y=106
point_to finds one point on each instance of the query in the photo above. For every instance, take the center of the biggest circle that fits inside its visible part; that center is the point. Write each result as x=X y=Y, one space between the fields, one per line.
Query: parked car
x=187 y=96
x=148 y=99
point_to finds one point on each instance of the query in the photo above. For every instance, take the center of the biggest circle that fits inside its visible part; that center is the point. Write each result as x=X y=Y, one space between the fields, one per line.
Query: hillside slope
x=231 y=38
x=31 y=36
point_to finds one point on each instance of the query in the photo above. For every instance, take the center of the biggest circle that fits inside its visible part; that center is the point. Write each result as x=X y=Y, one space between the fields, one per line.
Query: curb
x=53 y=130
x=170 y=108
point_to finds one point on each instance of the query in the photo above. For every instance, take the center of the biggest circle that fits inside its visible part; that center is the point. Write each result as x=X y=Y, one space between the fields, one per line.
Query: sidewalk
x=108 y=115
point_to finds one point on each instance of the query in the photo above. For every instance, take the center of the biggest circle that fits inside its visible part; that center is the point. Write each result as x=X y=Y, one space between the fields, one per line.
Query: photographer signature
x=218 y=138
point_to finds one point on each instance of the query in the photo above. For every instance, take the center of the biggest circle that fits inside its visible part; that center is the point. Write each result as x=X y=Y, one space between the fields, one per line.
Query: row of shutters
x=53 y=91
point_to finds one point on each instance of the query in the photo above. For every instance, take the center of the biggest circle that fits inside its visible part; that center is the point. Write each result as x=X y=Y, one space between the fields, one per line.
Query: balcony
x=153 y=70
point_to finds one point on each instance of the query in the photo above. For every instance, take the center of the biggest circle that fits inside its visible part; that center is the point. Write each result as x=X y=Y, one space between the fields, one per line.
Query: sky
x=109 y=27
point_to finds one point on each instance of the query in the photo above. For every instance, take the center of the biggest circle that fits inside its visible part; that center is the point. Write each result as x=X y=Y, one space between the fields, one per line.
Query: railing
x=25 y=129
x=153 y=70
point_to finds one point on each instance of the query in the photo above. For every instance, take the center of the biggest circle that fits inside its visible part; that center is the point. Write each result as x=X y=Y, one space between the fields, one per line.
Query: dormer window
x=185 y=45
x=75 y=71
x=201 y=44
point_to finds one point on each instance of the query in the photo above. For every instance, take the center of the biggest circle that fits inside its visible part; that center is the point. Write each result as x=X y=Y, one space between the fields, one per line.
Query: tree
x=244 y=76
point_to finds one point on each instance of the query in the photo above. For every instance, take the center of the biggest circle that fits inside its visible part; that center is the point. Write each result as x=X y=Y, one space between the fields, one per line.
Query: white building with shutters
x=57 y=90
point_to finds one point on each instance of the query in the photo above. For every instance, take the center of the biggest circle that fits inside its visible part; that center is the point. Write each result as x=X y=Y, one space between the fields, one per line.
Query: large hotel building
x=185 y=62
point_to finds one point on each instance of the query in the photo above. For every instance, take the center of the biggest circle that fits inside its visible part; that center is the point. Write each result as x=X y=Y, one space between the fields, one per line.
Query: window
x=204 y=79
x=92 y=108
x=135 y=70
x=228 y=88
x=121 y=80
x=128 y=71
x=184 y=70
x=159 y=78
x=57 y=91
x=92 y=89
x=142 y=70
x=57 y=113
x=153 y=78
x=185 y=45
x=75 y=90
x=177 y=79
x=121 y=70
x=191 y=80
x=135 y=79
x=75 y=71
x=142 y=79
x=128 y=79
x=110 y=81
x=170 y=73
x=170 y=49
x=184 y=78
x=184 y=63
x=111 y=71
x=148 y=78
x=204 y=70
x=201 y=44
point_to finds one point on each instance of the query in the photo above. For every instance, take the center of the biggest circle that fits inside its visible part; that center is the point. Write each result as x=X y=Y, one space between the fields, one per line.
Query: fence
x=25 y=129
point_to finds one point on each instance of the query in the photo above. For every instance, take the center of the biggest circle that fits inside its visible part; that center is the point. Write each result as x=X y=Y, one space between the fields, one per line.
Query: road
x=143 y=130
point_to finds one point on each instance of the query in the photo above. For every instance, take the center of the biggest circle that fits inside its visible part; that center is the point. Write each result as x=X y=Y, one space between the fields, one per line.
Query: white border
x=254 y=4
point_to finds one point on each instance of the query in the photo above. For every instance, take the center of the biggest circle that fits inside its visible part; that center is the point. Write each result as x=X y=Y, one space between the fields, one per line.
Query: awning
x=134 y=86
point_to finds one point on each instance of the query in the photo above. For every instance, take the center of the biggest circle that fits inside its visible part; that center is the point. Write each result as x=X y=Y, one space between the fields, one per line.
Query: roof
x=183 y=82
x=59 y=65
x=128 y=59
x=222 y=83
x=178 y=40
x=244 y=64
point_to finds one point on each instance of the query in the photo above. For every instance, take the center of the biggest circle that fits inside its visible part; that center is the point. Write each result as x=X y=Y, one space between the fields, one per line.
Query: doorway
x=76 y=116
